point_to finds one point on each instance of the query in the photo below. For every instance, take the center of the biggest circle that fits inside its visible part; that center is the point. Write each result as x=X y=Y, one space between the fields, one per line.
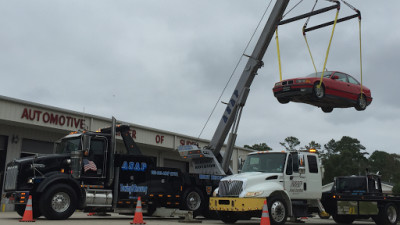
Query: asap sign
x=52 y=118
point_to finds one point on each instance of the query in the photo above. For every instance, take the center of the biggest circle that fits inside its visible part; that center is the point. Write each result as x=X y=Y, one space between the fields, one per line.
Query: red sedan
x=338 y=90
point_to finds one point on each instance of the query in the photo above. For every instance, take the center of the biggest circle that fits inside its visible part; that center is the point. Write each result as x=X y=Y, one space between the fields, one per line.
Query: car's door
x=340 y=85
x=355 y=88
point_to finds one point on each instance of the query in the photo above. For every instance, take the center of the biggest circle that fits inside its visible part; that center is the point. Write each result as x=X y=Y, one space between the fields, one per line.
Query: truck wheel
x=343 y=219
x=228 y=217
x=194 y=201
x=58 y=202
x=388 y=216
x=277 y=210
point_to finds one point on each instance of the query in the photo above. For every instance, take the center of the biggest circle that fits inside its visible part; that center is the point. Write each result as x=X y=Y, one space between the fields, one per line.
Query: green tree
x=313 y=145
x=386 y=164
x=344 y=157
x=396 y=189
x=290 y=143
x=259 y=147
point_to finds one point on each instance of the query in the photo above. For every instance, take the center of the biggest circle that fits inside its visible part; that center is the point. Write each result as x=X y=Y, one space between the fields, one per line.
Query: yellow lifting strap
x=359 y=32
x=279 y=54
x=329 y=46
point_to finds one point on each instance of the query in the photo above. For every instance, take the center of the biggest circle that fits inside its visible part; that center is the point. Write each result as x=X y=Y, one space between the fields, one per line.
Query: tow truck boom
x=230 y=118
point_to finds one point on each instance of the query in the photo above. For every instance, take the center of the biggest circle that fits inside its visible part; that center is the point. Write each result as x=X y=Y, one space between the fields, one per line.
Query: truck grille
x=11 y=178
x=230 y=188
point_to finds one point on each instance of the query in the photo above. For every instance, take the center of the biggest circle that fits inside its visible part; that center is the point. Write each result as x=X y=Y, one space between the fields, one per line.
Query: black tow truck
x=360 y=197
x=87 y=172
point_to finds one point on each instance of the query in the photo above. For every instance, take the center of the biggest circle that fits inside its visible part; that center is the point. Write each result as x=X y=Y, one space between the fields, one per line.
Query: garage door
x=34 y=146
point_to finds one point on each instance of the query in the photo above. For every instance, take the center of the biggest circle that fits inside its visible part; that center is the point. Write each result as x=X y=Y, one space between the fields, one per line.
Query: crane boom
x=211 y=160
x=239 y=95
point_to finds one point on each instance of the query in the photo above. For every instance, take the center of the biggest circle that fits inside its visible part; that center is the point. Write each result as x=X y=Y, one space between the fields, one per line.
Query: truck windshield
x=68 y=145
x=267 y=163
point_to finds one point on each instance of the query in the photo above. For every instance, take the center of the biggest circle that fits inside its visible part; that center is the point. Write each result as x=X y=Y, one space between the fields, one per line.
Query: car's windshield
x=326 y=74
x=267 y=163
x=68 y=145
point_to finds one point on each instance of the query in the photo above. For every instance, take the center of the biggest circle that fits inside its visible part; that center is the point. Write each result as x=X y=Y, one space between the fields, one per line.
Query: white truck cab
x=291 y=182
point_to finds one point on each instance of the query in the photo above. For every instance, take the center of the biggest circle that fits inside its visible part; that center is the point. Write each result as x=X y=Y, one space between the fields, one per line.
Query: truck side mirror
x=240 y=164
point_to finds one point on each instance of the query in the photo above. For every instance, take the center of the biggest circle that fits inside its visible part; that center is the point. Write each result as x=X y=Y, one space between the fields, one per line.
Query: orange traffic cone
x=265 y=215
x=138 y=217
x=28 y=214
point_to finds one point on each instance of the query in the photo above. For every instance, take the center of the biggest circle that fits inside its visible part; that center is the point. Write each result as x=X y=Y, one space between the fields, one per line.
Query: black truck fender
x=57 y=178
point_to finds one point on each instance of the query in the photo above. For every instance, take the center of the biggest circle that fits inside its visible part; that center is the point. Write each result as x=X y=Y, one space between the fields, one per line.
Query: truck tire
x=277 y=210
x=194 y=201
x=58 y=202
x=388 y=216
x=343 y=219
x=228 y=217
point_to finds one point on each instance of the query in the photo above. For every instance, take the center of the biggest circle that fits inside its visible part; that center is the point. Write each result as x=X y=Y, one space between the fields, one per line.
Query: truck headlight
x=30 y=181
x=253 y=194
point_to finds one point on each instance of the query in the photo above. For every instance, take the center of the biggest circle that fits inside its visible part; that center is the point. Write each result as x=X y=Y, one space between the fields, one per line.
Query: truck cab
x=289 y=181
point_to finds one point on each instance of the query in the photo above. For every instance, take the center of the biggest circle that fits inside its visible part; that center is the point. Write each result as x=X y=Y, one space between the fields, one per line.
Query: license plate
x=287 y=88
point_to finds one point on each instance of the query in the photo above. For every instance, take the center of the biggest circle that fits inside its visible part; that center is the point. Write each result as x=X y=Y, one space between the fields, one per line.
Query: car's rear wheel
x=319 y=90
x=283 y=100
x=327 y=109
x=361 y=103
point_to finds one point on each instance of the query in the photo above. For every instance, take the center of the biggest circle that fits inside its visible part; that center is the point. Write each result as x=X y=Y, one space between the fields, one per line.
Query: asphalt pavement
x=80 y=218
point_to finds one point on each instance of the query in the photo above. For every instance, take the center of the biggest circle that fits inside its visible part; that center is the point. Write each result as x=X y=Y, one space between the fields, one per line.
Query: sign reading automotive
x=52 y=118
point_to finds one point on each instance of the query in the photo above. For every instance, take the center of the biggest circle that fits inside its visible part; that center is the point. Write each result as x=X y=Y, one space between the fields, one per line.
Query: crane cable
x=359 y=35
x=234 y=70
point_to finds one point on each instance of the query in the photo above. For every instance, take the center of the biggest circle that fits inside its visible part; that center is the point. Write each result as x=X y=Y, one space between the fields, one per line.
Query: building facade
x=28 y=128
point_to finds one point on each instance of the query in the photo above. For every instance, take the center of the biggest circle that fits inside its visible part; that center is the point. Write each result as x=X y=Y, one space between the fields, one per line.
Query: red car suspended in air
x=338 y=90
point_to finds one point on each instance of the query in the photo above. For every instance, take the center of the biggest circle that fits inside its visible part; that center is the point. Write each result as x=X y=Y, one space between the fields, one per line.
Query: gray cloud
x=164 y=63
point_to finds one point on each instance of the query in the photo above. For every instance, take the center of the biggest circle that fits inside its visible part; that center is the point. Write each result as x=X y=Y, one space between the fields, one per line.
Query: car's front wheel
x=361 y=103
x=319 y=90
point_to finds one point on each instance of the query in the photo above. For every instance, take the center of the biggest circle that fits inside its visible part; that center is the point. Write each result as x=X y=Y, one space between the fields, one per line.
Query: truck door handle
x=305 y=186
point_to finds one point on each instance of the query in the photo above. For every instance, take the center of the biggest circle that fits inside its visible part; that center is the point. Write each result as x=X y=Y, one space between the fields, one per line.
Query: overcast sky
x=163 y=64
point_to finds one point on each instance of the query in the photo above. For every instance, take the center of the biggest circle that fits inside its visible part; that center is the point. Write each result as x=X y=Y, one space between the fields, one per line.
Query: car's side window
x=352 y=80
x=342 y=77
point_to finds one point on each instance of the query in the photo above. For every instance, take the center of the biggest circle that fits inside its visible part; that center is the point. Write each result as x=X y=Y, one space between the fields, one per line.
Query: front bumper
x=17 y=197
x=236 y=204
x=292 y=91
